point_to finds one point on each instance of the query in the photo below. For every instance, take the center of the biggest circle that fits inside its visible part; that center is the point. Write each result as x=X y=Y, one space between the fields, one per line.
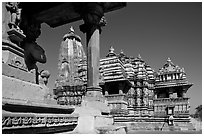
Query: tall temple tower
x=140 y=96
x=72 y=70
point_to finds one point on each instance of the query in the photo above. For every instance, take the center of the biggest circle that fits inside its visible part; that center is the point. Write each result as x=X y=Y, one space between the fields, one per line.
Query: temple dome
x=169 y=67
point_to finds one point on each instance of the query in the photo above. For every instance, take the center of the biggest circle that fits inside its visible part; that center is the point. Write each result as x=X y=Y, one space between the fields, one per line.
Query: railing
x=173 y=100
x=119 y=97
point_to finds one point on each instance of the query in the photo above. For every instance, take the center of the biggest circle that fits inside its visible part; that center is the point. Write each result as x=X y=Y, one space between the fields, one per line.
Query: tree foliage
x=198 y=112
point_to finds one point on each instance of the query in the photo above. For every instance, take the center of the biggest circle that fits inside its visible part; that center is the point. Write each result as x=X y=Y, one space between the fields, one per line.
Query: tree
x=198 y=112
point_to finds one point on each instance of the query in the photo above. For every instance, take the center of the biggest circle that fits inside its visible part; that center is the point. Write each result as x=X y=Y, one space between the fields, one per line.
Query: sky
x=155 y=30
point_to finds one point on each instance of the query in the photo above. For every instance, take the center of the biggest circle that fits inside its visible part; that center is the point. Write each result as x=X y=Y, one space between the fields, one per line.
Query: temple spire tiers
x=116 y=84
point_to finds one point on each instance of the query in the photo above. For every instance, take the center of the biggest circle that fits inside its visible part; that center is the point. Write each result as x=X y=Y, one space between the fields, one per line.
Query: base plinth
x=94 y=91
x=91 y=112
x=15 y=35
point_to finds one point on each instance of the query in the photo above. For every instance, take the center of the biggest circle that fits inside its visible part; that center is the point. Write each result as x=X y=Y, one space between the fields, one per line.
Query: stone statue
x=15 y=15
x=138 y=102
x=43 y=77
x=33 y=53
x=65 y=69
x=145 y=101
x=43 y=80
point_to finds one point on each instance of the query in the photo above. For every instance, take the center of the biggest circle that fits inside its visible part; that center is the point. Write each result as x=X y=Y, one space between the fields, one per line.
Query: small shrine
x=116 y=83
x=171 y=87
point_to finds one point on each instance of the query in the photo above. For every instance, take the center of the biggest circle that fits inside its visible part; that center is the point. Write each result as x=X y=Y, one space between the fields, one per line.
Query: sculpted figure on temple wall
x=43 y=77
x=43 y=80
x=15 y=15
x=145 y=91
x=138 y=102
x=145 y=101
x=138 y=92
x=65 y=70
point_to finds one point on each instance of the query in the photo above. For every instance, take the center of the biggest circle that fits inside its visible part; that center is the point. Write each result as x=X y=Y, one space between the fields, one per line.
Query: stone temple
x=115 y=94
x=133 y=90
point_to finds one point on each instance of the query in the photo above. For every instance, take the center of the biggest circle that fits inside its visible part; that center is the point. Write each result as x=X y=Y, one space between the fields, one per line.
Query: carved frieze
x=30 y=120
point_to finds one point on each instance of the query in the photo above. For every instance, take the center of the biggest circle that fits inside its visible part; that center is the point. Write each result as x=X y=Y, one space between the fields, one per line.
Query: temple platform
x=26 y=110
x=153 y=124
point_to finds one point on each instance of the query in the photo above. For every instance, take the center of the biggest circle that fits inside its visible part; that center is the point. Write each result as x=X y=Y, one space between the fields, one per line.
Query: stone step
x=112 y=129
x=158 y=127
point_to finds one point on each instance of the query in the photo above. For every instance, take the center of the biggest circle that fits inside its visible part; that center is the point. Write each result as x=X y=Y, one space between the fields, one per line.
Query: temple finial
x=139 y=56
x=121 y=51
x=111 y=50
x=168 y=60
x=71 y=29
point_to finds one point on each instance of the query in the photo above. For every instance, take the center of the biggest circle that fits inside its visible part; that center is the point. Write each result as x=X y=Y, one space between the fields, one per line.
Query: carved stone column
x=92 y=15
x=120 y=87
x=171 y=90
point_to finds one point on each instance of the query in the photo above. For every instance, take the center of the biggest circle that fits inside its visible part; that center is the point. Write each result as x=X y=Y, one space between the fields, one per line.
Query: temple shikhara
x=70 y=83
x=115 y=94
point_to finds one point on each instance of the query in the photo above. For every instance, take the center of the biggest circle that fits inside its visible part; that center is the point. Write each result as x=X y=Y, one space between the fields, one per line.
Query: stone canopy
x=59 y=13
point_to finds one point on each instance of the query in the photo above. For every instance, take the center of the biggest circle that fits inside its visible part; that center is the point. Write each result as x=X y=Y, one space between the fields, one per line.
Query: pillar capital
x=94 y=91
x=93 y=16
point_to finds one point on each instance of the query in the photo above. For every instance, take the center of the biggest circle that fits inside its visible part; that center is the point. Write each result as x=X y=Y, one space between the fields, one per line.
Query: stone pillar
x=106 y=89
x=120 y=87
x=93 y=58
x=171 y=91
x=92 y=15
x=155 y=96
x=184 y=91
x=184 y=95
